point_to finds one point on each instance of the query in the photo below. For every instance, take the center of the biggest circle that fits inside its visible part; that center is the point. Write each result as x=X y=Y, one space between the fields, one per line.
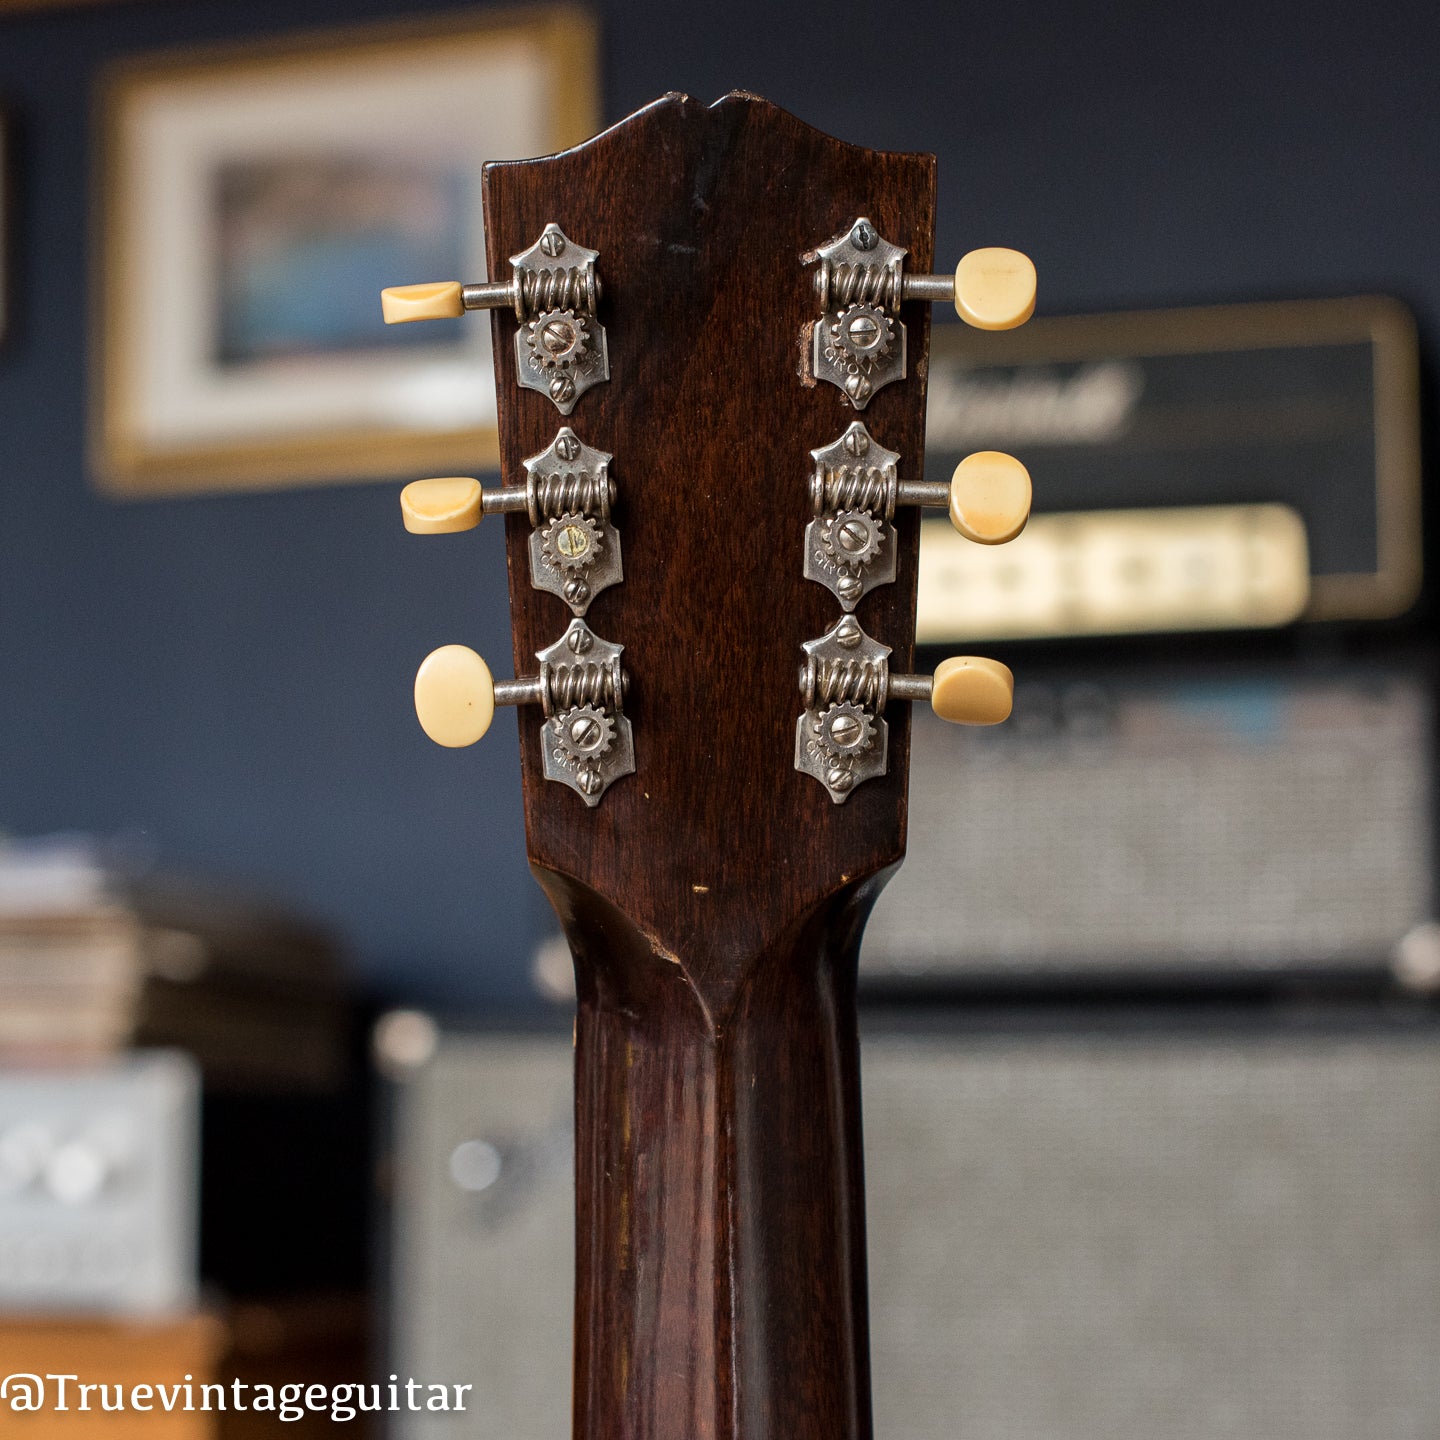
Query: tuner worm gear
x=572 y=542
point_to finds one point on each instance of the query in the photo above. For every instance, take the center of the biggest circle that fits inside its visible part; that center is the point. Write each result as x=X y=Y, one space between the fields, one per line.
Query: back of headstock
x=710 y=356
x=707 y=224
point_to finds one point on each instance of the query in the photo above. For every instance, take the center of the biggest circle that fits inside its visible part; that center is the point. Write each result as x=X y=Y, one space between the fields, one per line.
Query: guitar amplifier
x=1216 y=468
x=1242 y=820
x=99 y=1172
x=1135 y=826
x=1142 y=1229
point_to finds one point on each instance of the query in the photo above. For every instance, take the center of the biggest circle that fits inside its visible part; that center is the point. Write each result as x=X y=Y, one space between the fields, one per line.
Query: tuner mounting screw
x=841 y=779
x=590 y=782
x=864 y=236
x=552 y=242
x=562 y=390
x=853 y=538
x=848 y=633
x=559 y=337
x=577 y=592
x=578 y=639
x=585 y=732
x=567 y=446
x=856 y=440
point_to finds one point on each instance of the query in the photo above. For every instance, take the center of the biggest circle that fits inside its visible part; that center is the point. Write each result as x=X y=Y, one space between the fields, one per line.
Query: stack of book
x=95 y=961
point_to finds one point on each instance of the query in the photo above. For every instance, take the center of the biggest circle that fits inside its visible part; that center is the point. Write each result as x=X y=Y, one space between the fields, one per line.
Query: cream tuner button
x=454 y=696
x=969 y=690
x=436 y=300
x=990 y=497
x=995 y=289
x=441 y=506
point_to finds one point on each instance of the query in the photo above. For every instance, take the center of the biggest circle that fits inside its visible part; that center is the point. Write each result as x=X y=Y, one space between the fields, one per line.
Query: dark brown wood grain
x=714 y=900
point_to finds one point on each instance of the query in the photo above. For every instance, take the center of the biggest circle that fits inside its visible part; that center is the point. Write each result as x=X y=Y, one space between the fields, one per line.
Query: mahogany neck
x=714 y=899
x=720 y=1272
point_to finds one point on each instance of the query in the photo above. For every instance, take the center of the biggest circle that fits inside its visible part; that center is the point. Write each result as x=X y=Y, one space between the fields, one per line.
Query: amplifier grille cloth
x=1071 y=1239
x=1250 y=826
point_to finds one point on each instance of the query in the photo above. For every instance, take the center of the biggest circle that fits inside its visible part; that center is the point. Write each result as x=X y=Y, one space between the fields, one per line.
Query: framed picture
x=5 y=224
x=253 y=204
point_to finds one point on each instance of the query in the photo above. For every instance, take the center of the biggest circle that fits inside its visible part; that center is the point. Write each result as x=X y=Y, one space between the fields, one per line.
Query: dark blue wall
x=231 y=676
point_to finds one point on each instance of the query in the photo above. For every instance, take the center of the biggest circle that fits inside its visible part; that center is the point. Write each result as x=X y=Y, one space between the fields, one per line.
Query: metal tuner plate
x=560 y=347
x=586 y=739
x=850 y=542
x=574 y=547
x=841 y=738
x=859 y=340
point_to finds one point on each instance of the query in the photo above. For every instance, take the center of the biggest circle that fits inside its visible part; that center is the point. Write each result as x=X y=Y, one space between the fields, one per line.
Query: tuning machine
x=855 y=488
x=568 y=496
x=841 y=737
x=554 y=290
x=860 y=280
x=586 y=739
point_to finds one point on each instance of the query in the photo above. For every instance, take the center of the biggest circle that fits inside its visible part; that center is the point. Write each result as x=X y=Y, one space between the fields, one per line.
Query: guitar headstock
x=711 y=327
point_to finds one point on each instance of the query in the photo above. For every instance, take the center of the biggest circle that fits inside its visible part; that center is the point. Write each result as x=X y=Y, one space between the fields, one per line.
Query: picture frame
x=252 y=203
x=7 y=222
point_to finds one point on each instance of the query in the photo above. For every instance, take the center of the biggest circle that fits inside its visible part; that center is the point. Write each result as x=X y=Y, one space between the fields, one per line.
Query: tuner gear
x=862 y=333
x=556 y=339
x=845 y=730
x=584 y=733
x=853 y=538
x=572 y=542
